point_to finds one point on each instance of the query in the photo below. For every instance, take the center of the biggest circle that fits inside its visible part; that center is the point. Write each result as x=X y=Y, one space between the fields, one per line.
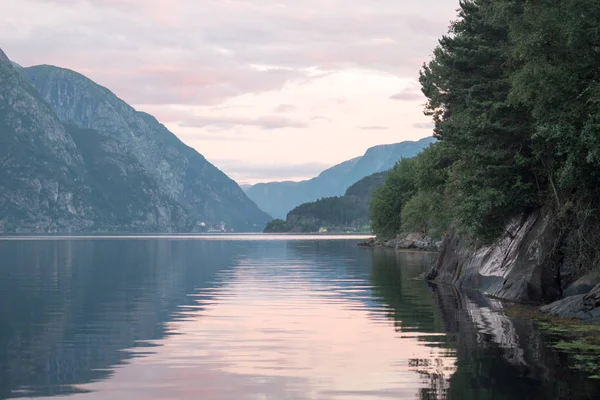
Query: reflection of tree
x=489 y=368
x=412 y=307
x=410 y=301
x=70 y=308
x=497 y=358
x=434 y=373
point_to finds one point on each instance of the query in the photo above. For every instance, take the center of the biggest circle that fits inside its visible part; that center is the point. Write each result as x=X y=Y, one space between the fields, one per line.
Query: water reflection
x=250 y=319
x=70 y=309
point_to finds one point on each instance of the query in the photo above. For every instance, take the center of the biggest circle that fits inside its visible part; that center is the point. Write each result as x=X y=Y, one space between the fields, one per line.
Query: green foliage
x=277 y=226
x=363 y=189
x=329 y=211
x=468 y=86
x=514 y=91
x=557 y=45
x=335 y=213
x=387 y=201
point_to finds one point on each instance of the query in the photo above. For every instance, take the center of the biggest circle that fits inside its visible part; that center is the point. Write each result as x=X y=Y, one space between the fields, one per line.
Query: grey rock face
x=522 y=265
x=519 y=266
x=41 y=185
x=77 y=158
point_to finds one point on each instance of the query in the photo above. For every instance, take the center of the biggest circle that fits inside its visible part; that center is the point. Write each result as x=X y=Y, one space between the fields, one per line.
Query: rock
x=367 y=243
x=585 y=307
x=565 y=308
x=521 y=265
x=410 y=241
x=76 y=158
x=592 y=299
x=415 y=241
x=583 y=285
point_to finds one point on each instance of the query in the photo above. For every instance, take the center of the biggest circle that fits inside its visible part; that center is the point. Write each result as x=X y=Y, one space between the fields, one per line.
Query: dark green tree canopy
x=514 y=91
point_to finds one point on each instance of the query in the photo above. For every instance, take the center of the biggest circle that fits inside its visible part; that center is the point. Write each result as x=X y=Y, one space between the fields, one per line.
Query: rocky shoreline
x=518 y=267
x=409 y=241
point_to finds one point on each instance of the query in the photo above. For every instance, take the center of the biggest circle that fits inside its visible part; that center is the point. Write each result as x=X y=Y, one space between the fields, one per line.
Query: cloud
x=204 y=51
x=268 y=122
x=285 y=108
x=428 y=125
x=277 y=171
x=407 y=96
x=225 y=74
x=373 y=128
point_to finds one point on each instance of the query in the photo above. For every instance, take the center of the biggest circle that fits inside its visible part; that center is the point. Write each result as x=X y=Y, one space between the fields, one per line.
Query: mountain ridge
x=278 y=198
x=124 y=170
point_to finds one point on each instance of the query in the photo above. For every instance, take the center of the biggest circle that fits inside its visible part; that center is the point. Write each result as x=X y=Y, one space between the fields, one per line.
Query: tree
x=467 y=84
x=386 y=205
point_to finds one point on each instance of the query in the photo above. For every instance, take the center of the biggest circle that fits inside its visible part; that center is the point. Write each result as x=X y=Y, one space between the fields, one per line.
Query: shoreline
x=408 y=241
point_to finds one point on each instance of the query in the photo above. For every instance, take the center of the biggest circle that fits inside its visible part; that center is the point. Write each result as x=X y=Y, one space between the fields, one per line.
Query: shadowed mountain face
x=77 y=158
x=278 y=198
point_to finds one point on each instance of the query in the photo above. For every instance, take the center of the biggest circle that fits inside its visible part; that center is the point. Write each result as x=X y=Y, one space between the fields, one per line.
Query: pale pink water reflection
x=271 y=335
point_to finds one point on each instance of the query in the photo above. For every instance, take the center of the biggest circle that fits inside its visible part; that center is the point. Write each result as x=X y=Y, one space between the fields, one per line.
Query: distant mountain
x=75 y=158
x=278 y=198
x=349 y=212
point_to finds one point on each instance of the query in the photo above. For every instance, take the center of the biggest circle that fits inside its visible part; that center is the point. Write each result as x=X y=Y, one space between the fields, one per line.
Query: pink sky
x=265 y=89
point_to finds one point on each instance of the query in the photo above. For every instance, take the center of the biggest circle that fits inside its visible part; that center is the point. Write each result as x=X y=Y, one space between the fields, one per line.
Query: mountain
x=349 y=212
x=278 y=198
x=75 y=158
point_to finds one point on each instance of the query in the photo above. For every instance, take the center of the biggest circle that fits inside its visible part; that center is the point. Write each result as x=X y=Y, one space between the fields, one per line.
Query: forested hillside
x=347 y=212
x=514 y=91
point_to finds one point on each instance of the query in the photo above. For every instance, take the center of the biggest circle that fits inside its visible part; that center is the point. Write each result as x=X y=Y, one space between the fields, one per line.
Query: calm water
x=241 y=317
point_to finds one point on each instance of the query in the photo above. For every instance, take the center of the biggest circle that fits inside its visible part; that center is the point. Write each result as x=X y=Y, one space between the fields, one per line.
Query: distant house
x=323 y=230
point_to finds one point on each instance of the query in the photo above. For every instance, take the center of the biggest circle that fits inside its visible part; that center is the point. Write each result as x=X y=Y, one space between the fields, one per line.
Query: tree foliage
x=514 y=91
x=387 y=201
x=349 y=211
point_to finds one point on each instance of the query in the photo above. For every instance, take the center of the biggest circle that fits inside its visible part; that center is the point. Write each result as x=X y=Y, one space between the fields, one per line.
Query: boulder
x=585 y=307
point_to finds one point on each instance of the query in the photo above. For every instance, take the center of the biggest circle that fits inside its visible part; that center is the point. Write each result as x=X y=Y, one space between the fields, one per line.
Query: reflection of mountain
x=69 y=308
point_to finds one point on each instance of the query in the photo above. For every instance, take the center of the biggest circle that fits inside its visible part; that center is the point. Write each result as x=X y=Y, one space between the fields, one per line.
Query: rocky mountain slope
x=278 y=198
x=75 y=158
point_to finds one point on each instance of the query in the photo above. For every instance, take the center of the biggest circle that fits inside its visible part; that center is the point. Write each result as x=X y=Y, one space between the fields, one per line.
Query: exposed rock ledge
x=523 y=265
x=584 y=306
x=409 y=241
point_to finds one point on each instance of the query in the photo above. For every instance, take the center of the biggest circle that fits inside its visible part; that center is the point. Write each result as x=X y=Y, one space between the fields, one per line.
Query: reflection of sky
x=270 y=332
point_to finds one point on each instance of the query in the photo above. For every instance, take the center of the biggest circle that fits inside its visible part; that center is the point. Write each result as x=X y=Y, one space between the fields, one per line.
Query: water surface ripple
x=255 y=317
